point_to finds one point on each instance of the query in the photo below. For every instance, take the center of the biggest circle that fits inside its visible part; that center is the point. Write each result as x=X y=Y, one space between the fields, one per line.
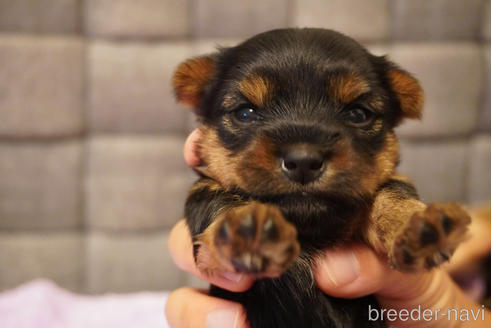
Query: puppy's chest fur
x=322 y=220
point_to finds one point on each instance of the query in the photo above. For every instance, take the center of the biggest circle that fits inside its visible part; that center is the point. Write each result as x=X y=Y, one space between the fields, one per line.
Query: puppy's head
x=298 y=111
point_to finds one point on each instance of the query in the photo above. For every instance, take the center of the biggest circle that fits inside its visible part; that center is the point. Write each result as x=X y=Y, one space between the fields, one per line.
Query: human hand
x=349 y=272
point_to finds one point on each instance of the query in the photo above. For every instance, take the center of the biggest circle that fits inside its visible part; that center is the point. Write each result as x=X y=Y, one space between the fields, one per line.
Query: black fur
x=293 y=301
x=401 y=189
x=298 y=62
x=203 y=205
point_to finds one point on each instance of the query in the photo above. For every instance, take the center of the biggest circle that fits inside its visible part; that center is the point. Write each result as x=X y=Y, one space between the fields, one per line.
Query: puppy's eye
x=358 y=116
x=246 y=115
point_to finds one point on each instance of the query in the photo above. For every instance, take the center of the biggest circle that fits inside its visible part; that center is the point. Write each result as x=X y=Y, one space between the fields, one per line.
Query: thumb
x=356 y=271
x=187 y=307
x=350 y=272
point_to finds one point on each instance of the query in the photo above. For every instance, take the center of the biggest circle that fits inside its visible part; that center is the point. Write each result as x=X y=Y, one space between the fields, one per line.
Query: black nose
x=303 y=165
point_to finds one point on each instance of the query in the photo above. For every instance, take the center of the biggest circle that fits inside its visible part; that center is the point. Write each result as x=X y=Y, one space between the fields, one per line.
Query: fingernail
x=341 y=266
x=235 y=277
x=223 y=318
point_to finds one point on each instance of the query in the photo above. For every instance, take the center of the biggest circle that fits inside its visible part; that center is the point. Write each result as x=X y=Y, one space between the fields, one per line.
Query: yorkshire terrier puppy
x=299 y=154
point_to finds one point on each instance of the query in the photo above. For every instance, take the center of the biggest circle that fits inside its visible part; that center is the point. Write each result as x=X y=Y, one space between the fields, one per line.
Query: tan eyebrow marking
x=376 y=103
x=229 y=101
x=257 y=89
x=347 y=87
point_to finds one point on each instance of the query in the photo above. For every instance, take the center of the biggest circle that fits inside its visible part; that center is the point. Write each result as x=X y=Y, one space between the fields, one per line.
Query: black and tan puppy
x=299 y=154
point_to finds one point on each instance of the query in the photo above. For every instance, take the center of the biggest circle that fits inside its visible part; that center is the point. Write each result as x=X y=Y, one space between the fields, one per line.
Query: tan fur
x=263 y=155
x=257 y=89
x=190 y=79
x=401 y=177
x=396 y=223
x=377 y=126
x=347 y=87
x=257 y=170
x=409 y=93
x=208 y=261
x=219 y=164
x=376 y=104
x=241 y=170
x=387 y=159
x=389 y=214
x=215 y=256
x=344 y=157
x=383 y=167
x=229 y=101
x=205 y=183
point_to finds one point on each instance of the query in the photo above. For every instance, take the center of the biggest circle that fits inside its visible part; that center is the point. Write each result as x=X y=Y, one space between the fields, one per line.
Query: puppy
x=299 y=154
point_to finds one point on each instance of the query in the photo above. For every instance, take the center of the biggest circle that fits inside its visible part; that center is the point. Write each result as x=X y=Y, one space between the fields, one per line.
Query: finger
x=350 y=272
x=181 y=248
x=187 y=307
x=357 y=271
x=435 y=291
x=190 y=150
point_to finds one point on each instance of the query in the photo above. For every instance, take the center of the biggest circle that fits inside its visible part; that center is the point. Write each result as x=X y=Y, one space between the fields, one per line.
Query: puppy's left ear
x=408 y=92
x=191 y=79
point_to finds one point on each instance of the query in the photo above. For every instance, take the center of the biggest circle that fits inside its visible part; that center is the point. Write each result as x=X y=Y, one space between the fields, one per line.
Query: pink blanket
x=42 y=304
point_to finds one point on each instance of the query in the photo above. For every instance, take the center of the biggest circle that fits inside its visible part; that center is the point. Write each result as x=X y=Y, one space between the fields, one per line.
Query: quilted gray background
x=91 y=172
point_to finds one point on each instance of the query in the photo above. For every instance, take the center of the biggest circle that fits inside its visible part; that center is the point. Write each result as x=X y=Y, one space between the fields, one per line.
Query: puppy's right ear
x=191 y=78
x=408 y=92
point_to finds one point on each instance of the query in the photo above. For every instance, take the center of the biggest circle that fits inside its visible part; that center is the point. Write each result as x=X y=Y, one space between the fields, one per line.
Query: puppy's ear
x=408 y=92
x=191 y=78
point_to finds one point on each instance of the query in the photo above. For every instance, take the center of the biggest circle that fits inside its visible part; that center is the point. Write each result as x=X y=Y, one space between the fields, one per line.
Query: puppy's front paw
x=430 y=237
x=256 y=239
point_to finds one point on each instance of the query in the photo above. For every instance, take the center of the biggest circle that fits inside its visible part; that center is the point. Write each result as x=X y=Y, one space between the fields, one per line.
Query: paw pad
x=256 y=239
x=430 y=237
x=428 y=234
